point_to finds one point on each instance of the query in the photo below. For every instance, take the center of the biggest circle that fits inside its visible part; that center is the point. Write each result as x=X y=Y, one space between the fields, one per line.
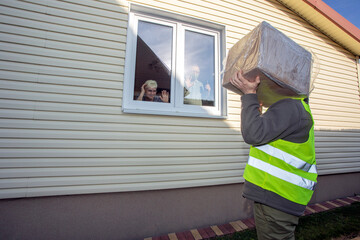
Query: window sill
x=203 y=114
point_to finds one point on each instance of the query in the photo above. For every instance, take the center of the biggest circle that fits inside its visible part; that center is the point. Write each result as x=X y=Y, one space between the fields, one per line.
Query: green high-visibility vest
x=285 y=168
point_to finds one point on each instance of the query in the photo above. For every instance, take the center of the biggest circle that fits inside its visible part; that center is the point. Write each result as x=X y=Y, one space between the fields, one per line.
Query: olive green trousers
x=273 y=224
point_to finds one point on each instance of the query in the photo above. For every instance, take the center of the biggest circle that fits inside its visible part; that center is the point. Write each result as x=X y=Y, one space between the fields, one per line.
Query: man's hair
x=151 y=84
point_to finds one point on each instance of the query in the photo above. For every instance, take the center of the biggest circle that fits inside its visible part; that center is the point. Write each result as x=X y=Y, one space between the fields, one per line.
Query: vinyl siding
x=62 y=130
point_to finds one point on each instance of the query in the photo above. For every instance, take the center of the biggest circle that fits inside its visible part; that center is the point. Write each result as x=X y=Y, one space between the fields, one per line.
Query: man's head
x=195 y=70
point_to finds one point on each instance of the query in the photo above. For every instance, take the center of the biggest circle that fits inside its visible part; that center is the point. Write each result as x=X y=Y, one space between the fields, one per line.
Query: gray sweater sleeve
x=286 y=119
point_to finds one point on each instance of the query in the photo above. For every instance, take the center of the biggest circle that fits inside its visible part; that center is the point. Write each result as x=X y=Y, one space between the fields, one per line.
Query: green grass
x=343 y=221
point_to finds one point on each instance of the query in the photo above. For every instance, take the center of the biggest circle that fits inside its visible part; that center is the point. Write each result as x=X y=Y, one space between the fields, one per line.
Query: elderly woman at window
x=148 y=93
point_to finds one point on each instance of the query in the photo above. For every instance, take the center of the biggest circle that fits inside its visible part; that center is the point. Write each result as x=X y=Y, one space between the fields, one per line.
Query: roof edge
x=328 y=21
x=335 y=17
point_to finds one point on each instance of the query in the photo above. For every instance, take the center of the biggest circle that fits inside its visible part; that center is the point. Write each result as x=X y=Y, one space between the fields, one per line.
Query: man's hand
x=244 y=85
x=208 y=87
x=188 y=82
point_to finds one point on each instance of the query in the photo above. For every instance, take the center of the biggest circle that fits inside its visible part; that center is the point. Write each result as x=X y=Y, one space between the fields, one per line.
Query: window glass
x=199 y=64
x=172 y=65
x=153 y=62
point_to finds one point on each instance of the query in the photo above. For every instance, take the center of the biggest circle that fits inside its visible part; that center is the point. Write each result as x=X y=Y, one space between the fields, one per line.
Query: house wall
x=141 y=214
x=62 y=131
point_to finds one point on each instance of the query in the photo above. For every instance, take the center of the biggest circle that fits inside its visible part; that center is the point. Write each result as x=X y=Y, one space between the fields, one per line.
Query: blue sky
x=349 y=9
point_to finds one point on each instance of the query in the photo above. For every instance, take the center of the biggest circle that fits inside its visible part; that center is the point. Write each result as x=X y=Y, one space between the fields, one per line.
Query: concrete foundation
x=136 y=215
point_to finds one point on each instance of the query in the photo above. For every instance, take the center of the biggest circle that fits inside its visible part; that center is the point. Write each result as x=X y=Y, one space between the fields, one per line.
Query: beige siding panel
x=125 y=187
x=333 y=83
x=59 y=80
x=114 y=162
x=124 y=170
x=123 y=126
x=250 y=10
x=108 y=136
x=337 y=152
x=120 y=118
x=64 y=38
x=67 y=107
x=70 y=48
x=63 y=72
x=60 y=54
x=30 y=23
x=335 y=96
x=52 y=88
x=113 y=144
x=110 y=5
x=58 y=62
x=60 y=98
x=62 y=130
x=51 y=17
x=323 y=124
x=113 y=13
x=78 y=12
x=338 y=115
x=111 y=179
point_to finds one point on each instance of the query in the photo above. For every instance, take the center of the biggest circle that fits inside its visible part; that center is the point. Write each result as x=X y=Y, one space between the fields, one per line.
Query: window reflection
x=153 y=62
x=199 y=69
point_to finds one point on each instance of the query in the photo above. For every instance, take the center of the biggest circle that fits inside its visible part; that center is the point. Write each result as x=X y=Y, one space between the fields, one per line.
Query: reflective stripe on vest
x=282 y=174
x=288 y=158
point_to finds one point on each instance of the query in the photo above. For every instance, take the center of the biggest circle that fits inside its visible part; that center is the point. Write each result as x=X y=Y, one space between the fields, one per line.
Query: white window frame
x=180 y=24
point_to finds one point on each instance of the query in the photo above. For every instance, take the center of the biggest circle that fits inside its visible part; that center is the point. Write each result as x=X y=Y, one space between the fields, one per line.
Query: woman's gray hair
x=151 y=84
